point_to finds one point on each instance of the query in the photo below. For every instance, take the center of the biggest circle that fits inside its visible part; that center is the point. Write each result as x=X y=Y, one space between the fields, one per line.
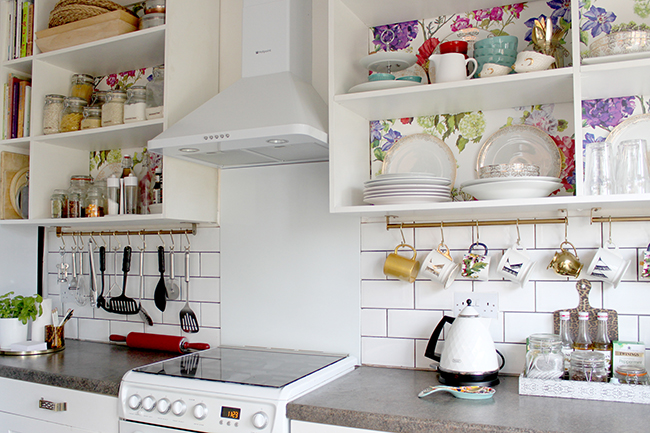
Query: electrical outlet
x=486 y=303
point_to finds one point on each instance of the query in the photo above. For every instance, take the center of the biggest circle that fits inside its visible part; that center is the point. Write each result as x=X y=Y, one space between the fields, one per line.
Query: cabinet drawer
x=83 y=410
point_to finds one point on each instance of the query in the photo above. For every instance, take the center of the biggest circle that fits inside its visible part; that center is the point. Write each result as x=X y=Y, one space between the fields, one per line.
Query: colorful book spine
x=23 y=29
x=28 y=110
x=30 y=28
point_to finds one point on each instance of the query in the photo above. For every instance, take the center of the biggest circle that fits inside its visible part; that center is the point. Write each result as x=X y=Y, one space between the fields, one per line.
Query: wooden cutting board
x=584 y=287
x=10 y=165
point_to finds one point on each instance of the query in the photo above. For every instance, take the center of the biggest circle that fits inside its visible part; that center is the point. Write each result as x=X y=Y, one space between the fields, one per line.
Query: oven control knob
x=149 y=403
x=260 y=419
x=179 y=407
x=200 y=411
x=163 y=405
x=134 y=401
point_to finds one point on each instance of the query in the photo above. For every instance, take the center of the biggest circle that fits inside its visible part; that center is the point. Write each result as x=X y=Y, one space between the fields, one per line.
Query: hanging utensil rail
x=182 y=231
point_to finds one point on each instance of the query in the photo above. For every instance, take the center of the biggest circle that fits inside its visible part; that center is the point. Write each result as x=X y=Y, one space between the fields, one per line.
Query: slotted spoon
x=123 y=304
x=187 y=316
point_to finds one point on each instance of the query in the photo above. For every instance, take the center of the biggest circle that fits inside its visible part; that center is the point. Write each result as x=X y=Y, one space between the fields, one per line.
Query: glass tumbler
x=632 y=167
x=598 y=170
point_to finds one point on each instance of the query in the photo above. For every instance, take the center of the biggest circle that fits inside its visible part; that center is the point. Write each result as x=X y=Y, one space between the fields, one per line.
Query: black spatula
x=160 y=294
x=123 y=304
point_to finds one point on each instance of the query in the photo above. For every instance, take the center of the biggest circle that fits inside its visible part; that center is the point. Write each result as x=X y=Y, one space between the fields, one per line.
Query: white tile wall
x=90 y=323
x=398 y=317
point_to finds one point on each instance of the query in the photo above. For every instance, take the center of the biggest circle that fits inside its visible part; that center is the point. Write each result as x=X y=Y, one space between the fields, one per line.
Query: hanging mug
x=476 y=266
x=401 y=267
x=566 y=263
x=515 y=265
x=440 y=267
x=608 y=265
x=645 y=263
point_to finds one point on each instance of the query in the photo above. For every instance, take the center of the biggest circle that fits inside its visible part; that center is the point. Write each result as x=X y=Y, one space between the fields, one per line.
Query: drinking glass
x=632 y=167
x=598 y=170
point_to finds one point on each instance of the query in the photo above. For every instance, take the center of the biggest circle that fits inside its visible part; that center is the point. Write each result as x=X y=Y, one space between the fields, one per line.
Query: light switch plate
x=486 y=303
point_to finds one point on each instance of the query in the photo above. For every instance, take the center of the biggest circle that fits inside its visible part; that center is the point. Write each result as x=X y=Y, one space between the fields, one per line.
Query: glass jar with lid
x=135 y=106
x=151 y=20
x=92 y=117
x=72 y=114
x=632 y=375
x=99 y=98
x=155 y=95
x=588 y=366
x=154 y=6
x=79 y=184
x=94 y=202
x=81 y=86
x=52 y=113
x=113 y=109
x=59 y=204
x=544 y=358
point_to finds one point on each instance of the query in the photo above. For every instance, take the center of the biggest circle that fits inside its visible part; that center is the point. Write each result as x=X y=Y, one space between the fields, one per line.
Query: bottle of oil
x=602 y=343
x=567 y=340
x=583 y=339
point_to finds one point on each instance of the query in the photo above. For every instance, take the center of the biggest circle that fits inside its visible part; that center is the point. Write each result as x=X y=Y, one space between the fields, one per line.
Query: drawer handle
x=50 y=405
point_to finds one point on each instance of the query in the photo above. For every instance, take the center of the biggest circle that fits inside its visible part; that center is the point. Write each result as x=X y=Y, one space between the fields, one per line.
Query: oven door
x=11 y=423
x=136 y=427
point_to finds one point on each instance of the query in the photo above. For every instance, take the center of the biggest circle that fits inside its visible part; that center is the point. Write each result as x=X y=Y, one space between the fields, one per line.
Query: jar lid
x=583 y=315
x=587 y=358
x=74 y=100
x=99 y=95
x=631 y=371
x=565 y=315
x=136 y=90
x=95 y=110
x=82 y=79
x=59 y=192
x=54 y=96
x=113 y=182
x=81 y=177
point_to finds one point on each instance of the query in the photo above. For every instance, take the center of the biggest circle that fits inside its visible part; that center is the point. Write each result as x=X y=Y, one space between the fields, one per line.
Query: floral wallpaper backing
x=465 y=133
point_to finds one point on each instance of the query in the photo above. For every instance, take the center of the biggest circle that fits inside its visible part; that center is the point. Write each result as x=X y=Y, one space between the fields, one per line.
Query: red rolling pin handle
x=168 y=343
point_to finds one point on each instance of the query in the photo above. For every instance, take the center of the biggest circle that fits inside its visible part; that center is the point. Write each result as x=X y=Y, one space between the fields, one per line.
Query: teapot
x=469 y=356
x=566 y=263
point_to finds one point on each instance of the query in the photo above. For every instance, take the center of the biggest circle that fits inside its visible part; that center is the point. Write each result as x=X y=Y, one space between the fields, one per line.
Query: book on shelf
x=16 y=107
x=20 y=29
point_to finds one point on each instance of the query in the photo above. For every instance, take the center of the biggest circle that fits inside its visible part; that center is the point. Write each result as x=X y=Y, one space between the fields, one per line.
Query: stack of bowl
x=501 y=50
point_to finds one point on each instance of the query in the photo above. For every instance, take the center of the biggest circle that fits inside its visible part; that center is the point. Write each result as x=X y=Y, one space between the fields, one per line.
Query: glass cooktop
x=248 y=366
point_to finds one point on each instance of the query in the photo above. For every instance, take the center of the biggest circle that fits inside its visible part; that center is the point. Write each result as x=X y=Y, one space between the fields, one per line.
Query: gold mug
x=402 y=267
x=54 y=336
x=566 y=263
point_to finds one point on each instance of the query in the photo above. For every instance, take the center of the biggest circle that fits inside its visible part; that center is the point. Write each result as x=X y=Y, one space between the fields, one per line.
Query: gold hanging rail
x=186 y=231
x=623 y=219
x=474 y=223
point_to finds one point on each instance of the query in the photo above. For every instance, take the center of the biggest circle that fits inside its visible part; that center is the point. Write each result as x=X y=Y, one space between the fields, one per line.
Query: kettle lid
x=469 y=311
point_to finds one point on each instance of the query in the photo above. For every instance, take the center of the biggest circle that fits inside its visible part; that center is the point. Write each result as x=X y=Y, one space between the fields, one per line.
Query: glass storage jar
x=155 y=95
x=135 y=106
x=151 y=20
x=632 y=375
x=99 y=98
x=154 y=6
x=52 y=113
x=92 y=117
x=94 y=202
x=81 y=86
x=544 y=358
x=588 y=366
x=113 y=109
x=77 y=195
x=72 y=114
x=58 y=204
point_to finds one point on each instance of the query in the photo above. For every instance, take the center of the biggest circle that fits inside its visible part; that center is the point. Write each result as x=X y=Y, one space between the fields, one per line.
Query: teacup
x=645 y=263
x=494 y=70
x=440 y=267
x=401 y=267
x=566 y=263
x=608 y=265
x=454 y=47
x=528 y=61
x=515 y=265
x=380 y=76
x=476 y=266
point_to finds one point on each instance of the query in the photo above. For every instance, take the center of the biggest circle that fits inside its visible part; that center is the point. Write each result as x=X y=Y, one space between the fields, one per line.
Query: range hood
x=272 y=115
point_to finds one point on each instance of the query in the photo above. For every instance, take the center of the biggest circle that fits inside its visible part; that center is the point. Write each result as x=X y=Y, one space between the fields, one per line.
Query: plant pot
x=11 y=331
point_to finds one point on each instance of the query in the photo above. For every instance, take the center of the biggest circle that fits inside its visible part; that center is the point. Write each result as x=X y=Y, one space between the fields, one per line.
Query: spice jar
x=58 y=204
x=52 y=113
x=632 y=375
x=151 y=20
x=155 y=94
x=92 y=117
x=113 y=109
x=81 y=86
x=72 y=114
x=154 y=6
x=99 y=97
x=544 y=359
x=588 y=366
x=94 y=202
x=77 y=194
x=135 y=106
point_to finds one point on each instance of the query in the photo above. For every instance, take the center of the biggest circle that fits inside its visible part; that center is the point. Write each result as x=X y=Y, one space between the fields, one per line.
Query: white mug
x=515 y=265
x=440 y=267
x=450 y=67
x=476 y=266
x=608 y=265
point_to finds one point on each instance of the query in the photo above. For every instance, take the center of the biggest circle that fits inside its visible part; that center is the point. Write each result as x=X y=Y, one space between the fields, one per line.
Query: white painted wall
x=18 y=259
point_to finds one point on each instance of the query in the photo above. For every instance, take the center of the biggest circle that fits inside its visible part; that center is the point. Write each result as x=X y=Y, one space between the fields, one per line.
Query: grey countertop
x=386 y=400
x=82 y=365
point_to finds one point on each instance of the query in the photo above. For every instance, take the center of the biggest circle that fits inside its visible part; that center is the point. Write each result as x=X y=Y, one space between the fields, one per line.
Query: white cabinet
x=310 y=427
x=188 y=46
x=84 y=412
x=350 y=113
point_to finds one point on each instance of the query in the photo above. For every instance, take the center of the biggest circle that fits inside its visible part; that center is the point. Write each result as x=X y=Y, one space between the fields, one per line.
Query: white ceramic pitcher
x=450 y=67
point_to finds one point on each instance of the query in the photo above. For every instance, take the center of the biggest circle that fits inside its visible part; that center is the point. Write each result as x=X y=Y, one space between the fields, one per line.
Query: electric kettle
x=469 y=356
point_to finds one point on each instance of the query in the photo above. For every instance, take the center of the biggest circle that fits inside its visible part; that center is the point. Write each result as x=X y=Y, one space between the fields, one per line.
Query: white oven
x=226 y=389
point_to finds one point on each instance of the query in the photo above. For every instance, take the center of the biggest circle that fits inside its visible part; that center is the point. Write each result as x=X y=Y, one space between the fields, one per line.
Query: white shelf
x=514 y=90
x=22 y=65
x=623 y=79
x=123 y=221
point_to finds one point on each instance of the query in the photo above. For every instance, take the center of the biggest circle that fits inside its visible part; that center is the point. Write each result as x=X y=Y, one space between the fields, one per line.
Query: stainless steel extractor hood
x=272 y=115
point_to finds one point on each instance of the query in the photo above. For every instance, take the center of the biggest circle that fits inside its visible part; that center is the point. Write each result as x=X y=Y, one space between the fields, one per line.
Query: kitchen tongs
x=123 y=304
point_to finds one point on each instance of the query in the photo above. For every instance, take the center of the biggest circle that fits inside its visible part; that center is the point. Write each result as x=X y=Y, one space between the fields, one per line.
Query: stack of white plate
x=511 y=187
x=404 y=188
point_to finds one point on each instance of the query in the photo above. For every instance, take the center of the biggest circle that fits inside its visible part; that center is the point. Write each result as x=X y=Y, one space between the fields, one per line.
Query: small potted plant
x=15 y=311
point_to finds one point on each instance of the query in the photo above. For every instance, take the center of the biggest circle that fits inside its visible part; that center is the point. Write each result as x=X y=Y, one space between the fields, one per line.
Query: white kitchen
x=281 y=252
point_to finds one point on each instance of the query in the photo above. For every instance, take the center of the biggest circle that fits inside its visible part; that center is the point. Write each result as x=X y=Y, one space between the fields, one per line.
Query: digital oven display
x=230 y=412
